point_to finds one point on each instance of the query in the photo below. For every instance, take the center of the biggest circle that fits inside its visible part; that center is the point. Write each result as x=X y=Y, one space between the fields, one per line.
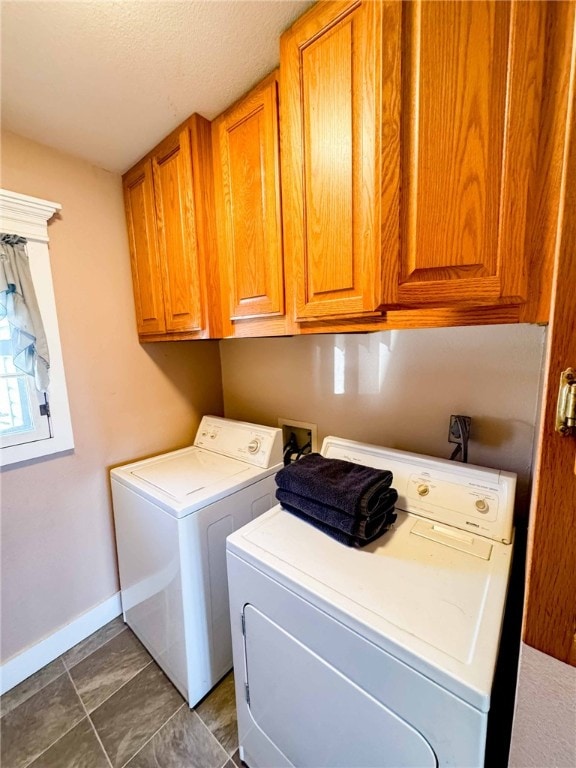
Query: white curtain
x=19 y=304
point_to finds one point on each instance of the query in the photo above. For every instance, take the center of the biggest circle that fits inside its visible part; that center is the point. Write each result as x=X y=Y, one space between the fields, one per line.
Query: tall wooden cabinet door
x=472 y=88
x=146 y=273
x=182 y=278
x=340 y=93
x=249 y=185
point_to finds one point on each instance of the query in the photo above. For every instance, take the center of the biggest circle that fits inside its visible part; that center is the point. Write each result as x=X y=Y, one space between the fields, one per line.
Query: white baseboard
x=23 y=665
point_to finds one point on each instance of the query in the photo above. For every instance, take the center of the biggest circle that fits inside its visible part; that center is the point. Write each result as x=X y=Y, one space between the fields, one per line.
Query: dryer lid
x=181 y=475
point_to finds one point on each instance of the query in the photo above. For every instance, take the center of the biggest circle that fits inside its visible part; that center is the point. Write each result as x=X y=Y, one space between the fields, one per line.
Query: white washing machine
x=172 y=515
x=381 y=656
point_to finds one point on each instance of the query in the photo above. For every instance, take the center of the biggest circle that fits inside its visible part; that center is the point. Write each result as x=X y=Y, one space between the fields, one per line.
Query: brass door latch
x=566 y=409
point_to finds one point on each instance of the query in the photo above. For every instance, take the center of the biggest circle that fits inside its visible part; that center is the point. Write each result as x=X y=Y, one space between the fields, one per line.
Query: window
x=32 y=423
x=24 y=412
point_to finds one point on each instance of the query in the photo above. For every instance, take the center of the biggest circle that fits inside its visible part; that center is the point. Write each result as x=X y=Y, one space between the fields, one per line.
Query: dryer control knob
x=482 y=505
x=423 y=490
x=253 y=445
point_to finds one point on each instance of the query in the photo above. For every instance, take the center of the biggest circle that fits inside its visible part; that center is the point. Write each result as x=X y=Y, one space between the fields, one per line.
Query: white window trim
x=28 y=217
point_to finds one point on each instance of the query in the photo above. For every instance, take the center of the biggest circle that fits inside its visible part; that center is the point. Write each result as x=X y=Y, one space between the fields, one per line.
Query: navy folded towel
x=341 y=536
x=352 y=488
x=359 y=526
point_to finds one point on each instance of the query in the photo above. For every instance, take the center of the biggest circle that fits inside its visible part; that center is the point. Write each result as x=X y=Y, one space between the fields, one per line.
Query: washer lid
x=181 y=475
x=189 y=479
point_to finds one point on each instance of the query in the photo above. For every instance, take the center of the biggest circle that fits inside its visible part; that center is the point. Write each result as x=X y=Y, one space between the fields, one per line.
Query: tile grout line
x=98 y=648
x=90 y=720
x=184 y=704
x=120 y=688
x=3 y=714
x=61 y=736
x=65 y=668
x=228 y=757
x=87 y=714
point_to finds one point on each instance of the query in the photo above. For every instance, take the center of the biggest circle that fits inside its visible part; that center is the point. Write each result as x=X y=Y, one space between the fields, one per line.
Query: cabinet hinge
x=247 y=692
x=566 y=409
x=45 y=409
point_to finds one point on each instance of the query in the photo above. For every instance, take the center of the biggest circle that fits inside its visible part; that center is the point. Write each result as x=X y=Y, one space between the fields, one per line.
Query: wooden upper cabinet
x=410 y=144
x=146 y=274
x=340 y=182
x=181 y=274
x=472 y=88
x=170 y=210
x=247 y=185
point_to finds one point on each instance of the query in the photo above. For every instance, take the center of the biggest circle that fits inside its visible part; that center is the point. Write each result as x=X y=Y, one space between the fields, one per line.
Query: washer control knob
x=254 y=445
x=423 y=489
x=482 y=505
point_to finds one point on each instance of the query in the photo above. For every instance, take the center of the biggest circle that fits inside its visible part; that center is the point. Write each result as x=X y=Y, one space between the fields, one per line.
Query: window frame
x=28 y=217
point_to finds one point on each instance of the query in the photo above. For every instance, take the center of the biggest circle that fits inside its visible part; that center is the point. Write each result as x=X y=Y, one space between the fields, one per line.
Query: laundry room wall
x=127 y=401
x=399 y=388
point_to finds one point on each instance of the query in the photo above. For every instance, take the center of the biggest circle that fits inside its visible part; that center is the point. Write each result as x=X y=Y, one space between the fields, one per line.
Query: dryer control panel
x=472 y=498
x=253 y=443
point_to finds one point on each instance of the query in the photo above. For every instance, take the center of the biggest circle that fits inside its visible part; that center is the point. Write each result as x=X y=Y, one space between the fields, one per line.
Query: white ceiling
x=107 y=79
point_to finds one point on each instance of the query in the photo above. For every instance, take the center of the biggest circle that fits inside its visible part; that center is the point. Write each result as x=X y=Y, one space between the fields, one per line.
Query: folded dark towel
x=343 y=538
x=351 y=488
x=363 y=527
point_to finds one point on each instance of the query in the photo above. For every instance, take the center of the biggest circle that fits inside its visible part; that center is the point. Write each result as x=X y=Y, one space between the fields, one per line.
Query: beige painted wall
x=398 y=388
x=544 y=731
x=126 y=400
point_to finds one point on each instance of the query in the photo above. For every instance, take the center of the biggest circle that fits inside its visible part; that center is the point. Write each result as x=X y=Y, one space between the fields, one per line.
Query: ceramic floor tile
x=235 y=760
x=92 y=643
x=133 y=714
x=79 y=748
x=184 y=742
x=106 y=670
x=38 y=722
x=218 y=712
x=30 y=686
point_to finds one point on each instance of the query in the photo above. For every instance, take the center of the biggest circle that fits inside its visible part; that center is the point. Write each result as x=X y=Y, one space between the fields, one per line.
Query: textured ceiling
x=107 y=79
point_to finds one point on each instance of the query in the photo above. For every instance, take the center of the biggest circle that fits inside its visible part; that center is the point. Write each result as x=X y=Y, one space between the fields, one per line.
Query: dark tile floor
x=106 y=704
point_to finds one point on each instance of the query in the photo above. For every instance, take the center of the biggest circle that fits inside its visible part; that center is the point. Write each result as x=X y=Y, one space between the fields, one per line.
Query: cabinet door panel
x=472 y=85
x=340 y=195
x=146 y=274
x=177 y=234
x=248 y=138
x=327 y=85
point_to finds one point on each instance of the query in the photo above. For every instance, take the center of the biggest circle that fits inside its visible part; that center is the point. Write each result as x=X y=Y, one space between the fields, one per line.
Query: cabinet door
x=340 y=91
x=472 y=83
x=247 y=176
x=146 y=273
x=181 y=275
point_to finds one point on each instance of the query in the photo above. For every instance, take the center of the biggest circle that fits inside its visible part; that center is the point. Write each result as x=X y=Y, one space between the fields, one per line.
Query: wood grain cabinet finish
x=146 y=274
x=471 y=94
x=409 y=146
x=169 y=206
x=335 y=67
x=245 y=144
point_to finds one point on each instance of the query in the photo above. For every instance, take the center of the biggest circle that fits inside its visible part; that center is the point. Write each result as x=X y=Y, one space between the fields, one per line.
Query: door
x=472 y=81
x=338 y=65
x=314 y=714
x=550 y=619
x=173 y=189
x=247 y=174
x=144 y=259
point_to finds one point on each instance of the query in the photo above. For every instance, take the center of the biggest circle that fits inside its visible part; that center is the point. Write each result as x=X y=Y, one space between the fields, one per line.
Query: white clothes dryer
x=172 y=515
x=380 y=656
